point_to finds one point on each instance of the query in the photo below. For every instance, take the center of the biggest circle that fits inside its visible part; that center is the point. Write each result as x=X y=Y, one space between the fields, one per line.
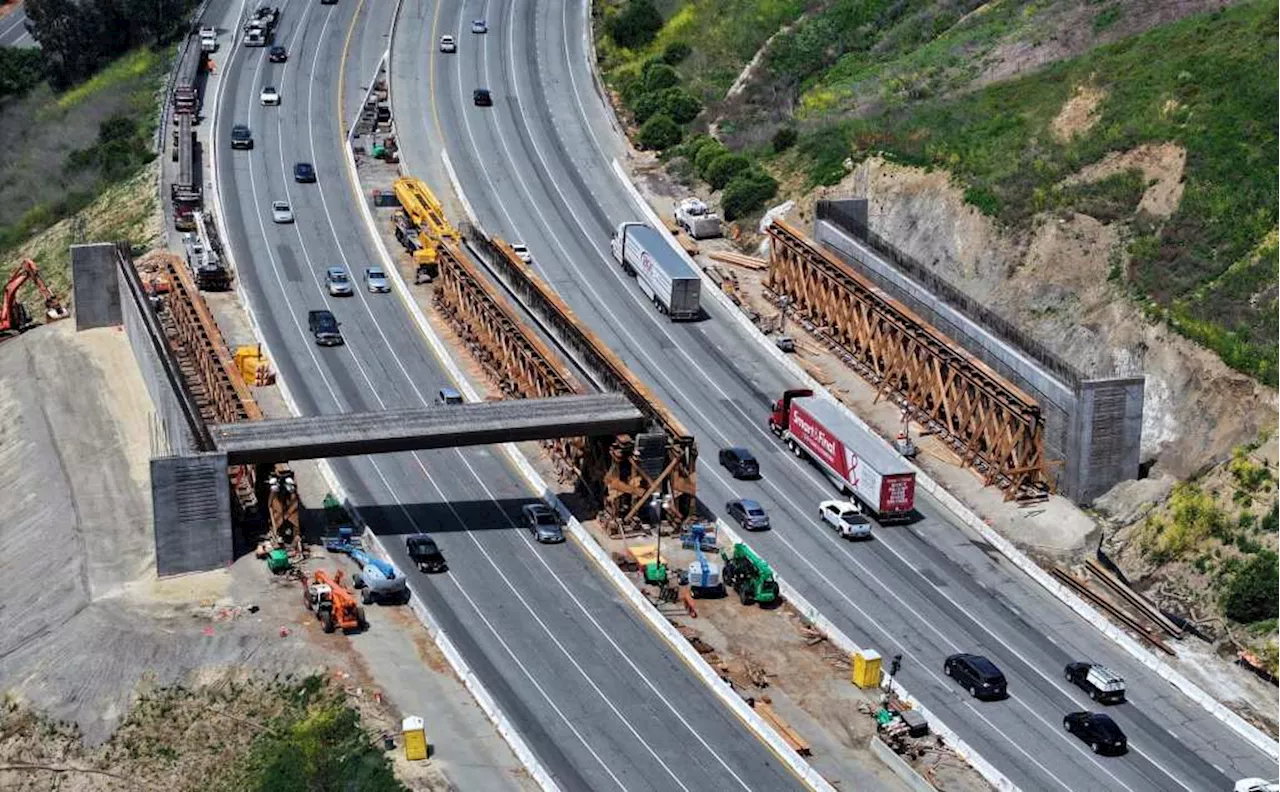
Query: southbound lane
x=536 y=168
x=601 y=699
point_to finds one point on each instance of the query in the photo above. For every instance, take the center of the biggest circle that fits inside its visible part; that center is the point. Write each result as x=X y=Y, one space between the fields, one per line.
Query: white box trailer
x=855 y=460
x=663 y=273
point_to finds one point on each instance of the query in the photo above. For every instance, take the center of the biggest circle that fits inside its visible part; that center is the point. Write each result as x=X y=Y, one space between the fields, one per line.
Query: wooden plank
x=788 y=734
x=739 y=259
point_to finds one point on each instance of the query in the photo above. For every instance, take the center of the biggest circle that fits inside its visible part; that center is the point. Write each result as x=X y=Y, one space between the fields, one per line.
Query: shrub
x=722 y=169
x=1271 y=520
x=676 y=52
x=682 y=106
x=784 y=139
x=706 y=153
x=747 y=192
x=1248 y=474
x=646 y=105
x=658 y=76
x=659 y=132
x=1193 y=517
x=637 y=25
x=1253 y=591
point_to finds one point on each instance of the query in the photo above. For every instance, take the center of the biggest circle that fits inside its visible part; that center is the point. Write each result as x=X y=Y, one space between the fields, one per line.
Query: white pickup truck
x=208 y=39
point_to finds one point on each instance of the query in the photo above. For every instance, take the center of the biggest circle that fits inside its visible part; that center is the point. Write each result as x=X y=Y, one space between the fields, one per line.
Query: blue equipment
x=377 y=580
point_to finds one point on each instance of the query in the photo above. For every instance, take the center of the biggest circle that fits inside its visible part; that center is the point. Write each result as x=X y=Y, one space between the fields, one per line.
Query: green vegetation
x=1193 y=518
x=315 y=745
x=1253 y=591
x=105 y=130
x=21 y=69
x=1206 y=83
x=77 y=37
x=636 y=25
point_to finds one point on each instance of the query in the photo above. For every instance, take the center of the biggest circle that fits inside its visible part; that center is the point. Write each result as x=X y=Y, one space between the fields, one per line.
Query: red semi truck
x=858 y=462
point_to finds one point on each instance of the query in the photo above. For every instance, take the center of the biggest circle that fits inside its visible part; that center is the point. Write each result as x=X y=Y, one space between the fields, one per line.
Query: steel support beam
x=994 y=426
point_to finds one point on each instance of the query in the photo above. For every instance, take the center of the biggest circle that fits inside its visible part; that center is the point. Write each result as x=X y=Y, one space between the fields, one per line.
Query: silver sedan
x=280 y=212
x=375 y=280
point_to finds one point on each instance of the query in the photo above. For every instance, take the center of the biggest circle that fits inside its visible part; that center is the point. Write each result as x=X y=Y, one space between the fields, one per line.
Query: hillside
x=1102 y=173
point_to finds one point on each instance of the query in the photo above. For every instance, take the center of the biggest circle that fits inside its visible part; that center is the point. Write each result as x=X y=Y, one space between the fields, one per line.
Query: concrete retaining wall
x=95 y=292
x=1094 y=426
x=191 y=508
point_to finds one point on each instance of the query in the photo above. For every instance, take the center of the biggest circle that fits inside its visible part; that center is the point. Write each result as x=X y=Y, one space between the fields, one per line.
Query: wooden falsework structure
x=620 y=473
x=220 y=391
x=994 y=426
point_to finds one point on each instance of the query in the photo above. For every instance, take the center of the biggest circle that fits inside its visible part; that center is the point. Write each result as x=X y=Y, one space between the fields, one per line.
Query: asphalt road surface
x=535 y=168
x=601 y=699
x=13 y=29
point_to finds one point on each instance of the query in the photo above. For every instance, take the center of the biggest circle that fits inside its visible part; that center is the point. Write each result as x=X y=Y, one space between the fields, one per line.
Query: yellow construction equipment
x=427 y=216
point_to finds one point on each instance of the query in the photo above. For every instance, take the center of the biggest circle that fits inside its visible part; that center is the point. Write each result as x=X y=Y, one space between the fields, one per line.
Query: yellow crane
x=426 y=213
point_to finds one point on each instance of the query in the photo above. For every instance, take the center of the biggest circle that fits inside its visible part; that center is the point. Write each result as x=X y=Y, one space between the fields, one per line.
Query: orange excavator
x=333 y=605
x=13 y=317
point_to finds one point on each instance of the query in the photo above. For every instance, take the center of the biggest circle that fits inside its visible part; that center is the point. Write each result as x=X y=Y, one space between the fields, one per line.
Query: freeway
x=535 y=168
x=598 y=696
x=13 y=29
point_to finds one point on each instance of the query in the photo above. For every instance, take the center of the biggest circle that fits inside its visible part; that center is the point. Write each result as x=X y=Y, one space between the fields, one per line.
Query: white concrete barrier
x=966 y=516
x=900 y=767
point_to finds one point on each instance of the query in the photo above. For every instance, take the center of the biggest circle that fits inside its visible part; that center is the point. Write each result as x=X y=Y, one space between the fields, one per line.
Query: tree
x=747 y=192
x=1253 y=592
x=77 y=37
x=681 y=105
x=659 y=132
x=723 y=168
x=72 y=36
x=636 y=25
x=21 y=68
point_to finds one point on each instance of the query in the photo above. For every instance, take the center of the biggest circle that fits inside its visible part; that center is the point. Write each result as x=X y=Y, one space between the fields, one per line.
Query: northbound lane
x=536 y=168
x=599 y=697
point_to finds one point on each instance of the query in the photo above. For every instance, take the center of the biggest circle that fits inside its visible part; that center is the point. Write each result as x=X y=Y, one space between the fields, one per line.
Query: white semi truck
x=664 y=275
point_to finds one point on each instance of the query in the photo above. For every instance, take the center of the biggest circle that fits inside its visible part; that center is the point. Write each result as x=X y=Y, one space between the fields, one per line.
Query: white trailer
x=663 y=273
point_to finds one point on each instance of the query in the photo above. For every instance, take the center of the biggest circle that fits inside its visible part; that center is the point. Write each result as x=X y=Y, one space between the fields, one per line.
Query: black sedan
x=482 y=98
x=278 y=54
x=304 y=172
x=1098 y=730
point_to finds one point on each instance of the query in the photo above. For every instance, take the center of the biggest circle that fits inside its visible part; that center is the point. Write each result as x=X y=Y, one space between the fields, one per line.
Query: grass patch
x=127 y=69
x=105 y=128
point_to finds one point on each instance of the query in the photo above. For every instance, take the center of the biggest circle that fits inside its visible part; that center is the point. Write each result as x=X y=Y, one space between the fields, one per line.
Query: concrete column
x=95 y=292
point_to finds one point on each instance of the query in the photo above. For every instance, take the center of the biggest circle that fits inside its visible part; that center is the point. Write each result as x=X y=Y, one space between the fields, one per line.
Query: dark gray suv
x=976 y=674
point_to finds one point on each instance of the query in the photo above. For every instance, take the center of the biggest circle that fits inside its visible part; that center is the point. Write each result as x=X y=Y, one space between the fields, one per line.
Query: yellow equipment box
x=866 y=668
x=413 y=730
